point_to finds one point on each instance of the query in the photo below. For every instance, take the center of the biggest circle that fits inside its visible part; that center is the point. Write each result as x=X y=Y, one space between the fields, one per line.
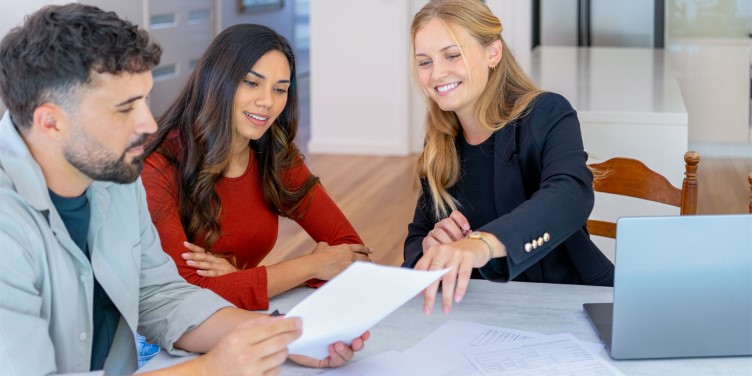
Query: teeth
x=255 y=116
x=447 y=87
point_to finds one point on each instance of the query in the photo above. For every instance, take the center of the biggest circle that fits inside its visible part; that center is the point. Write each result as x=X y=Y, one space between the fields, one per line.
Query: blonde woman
x=505 y=189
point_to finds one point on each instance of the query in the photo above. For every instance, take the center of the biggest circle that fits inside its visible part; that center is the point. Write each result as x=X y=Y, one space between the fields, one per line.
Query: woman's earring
x=493 y=67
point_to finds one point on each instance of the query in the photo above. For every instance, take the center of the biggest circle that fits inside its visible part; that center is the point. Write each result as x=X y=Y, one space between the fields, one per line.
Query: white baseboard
x=358 y=147
x=742 y=151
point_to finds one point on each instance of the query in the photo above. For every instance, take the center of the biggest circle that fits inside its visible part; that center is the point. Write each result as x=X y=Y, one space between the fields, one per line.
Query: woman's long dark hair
x=201 y=119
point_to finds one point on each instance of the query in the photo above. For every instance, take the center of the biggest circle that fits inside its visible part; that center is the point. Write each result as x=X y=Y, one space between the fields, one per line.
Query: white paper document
x=559 y=354
x=448 y=350
x=439 y=353
x=353 y=302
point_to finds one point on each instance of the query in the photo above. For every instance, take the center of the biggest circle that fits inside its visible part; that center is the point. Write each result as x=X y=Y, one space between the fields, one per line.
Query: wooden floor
x=723 y=186
x=376 y=194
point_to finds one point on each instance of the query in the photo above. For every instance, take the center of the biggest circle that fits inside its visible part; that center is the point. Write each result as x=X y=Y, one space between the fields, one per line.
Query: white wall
x=417 y=110
x=516 y=18
x=13 y=13
x=363 y=97
x=360 y=81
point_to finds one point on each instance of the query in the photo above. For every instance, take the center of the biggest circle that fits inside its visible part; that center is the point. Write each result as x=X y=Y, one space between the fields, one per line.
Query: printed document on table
x=439 y=352
x=559 y=354
x=353 y=302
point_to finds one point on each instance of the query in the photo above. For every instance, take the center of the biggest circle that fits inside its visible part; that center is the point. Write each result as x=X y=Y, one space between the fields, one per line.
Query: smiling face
x=261 y=97
x=108 y=129
x=453 y=71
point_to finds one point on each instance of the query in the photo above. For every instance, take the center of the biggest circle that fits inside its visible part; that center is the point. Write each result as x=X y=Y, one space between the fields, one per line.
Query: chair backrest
x=630 y=177
x=749 y=179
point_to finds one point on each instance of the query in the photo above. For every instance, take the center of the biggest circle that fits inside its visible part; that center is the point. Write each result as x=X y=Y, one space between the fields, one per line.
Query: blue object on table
x=146 y=350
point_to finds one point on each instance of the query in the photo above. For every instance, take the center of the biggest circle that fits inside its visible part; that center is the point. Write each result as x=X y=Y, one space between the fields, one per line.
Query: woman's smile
x=445 y=89
x=256 y=119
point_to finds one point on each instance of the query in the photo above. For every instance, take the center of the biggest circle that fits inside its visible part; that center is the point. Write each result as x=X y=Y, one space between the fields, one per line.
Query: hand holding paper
x=353 y=302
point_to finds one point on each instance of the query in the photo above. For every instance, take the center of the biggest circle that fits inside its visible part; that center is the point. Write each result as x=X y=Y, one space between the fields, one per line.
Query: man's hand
x=254 y=347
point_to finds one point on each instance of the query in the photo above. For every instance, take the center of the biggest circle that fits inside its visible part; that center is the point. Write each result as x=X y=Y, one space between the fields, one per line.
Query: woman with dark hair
x=223 y=167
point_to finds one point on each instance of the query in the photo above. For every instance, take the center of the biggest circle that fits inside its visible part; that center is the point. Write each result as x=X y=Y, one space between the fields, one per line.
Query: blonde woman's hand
x=207 y=264
x=461 y=257
x=447 y=230
x=330 y=260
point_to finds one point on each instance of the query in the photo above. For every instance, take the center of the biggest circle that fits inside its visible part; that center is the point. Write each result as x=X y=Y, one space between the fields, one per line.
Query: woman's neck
x=474 y=133
x=239 y=158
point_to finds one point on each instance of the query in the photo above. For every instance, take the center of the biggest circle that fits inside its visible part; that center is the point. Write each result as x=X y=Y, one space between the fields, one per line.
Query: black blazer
x=541 y=185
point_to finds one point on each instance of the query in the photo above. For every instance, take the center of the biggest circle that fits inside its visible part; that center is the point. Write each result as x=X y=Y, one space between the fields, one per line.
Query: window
x=254 y=6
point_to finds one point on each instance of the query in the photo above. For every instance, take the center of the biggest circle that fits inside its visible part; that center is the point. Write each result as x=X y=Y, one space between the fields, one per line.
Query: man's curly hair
x=53 y=53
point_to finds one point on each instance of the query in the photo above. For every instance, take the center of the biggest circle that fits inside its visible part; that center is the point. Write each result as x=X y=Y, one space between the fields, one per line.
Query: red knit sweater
x=248 y=228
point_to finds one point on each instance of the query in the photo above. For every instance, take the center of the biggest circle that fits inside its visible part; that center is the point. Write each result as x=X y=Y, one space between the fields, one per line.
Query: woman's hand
x=330 y=260
x=339 y=354
x=447 y=230
x=254 y=347
x=208 y=265
x=461 y=256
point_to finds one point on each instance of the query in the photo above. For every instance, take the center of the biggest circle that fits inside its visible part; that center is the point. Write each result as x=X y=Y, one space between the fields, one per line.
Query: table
x=535 y=307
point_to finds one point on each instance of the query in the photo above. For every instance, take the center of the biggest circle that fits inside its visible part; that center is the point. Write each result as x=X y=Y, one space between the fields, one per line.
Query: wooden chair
x=749 y=179
x=630 y=177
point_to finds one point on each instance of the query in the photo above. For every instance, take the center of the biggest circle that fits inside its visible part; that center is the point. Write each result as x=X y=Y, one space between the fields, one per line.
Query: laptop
x=683 y=288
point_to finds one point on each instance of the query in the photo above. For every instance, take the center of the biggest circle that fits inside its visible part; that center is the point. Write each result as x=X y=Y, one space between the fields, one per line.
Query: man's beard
x=94 y=160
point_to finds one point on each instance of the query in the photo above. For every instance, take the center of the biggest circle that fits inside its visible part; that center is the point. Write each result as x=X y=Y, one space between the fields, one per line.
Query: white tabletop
x=534 y=307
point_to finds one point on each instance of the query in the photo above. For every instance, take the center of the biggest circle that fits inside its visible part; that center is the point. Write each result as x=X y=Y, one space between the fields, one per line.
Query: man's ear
x=48 y=120
x=495 y=50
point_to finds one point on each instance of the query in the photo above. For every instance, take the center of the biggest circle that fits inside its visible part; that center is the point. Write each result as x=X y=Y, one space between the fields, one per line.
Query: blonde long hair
x=506 y=96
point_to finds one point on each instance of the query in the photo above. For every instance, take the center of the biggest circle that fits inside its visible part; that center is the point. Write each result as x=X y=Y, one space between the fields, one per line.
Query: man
x=81 y=267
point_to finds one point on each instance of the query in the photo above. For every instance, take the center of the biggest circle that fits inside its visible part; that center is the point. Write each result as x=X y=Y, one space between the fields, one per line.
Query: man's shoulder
x=18 y=219
x=11 y=199
x=5 y=180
